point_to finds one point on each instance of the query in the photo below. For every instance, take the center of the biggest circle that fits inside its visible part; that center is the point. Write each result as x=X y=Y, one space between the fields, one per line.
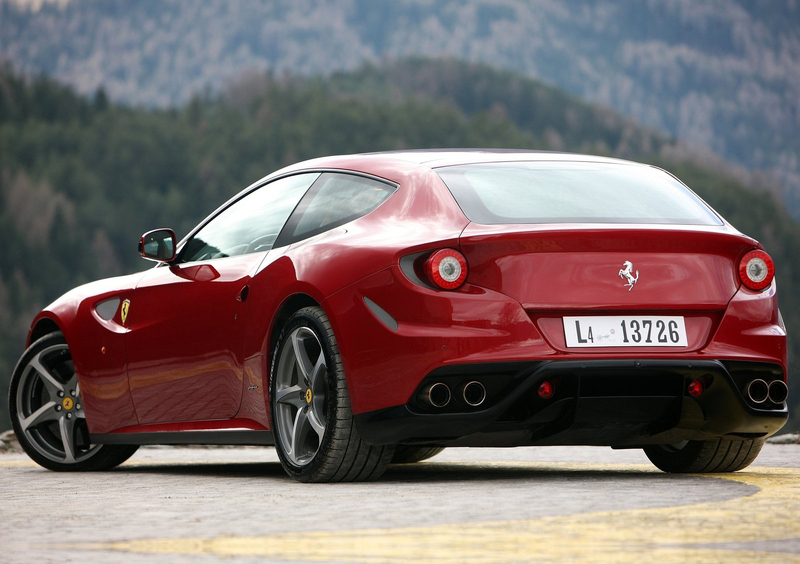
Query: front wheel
x=716 y=455
x=315 y=434
x=47 y=412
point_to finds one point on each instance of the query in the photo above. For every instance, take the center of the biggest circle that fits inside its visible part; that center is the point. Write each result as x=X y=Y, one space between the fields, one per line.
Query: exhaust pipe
x=473 y=393
x=778 y=391
x=436 y=395
x=758 y=391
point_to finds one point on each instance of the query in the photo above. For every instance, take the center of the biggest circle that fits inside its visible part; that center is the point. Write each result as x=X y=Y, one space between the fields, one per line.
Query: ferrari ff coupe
x=355 y=311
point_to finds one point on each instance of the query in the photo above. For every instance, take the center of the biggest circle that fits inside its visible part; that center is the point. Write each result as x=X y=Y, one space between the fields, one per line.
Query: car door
x=187 y=319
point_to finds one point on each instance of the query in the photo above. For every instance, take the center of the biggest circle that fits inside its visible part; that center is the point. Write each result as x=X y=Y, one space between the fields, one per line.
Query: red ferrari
x=360 y=310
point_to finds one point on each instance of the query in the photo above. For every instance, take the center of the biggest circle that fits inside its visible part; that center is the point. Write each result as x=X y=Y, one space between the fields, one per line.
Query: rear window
x=573 y=192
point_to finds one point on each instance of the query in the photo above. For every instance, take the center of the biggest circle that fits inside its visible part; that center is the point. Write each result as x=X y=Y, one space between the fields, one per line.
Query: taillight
x=447 y=269
x=756 y=270
x=696 y=388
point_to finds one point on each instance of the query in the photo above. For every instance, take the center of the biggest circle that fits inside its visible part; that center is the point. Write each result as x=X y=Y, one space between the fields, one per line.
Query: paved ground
x=552 y=504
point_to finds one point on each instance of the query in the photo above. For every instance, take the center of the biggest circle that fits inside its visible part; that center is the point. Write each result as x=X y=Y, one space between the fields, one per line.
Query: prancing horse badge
x=626 y=274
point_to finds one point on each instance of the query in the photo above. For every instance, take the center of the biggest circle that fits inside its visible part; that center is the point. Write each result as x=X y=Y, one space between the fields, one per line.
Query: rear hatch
x=602 y=254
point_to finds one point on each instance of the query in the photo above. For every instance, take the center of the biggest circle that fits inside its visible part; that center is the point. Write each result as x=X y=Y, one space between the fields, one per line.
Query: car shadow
x=221 y=469
x=460 y=472
x=429 y=472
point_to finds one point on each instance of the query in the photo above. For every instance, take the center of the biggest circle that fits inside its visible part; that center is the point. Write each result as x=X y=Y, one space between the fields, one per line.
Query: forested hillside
x=719 y=74
x=81 y=178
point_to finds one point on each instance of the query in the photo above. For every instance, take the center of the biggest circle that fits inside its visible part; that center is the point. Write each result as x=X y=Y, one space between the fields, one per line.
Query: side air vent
x=107 y=309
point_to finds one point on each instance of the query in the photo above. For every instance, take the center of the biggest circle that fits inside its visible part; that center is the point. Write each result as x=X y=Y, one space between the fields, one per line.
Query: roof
x=435 y=158
x=397 y=166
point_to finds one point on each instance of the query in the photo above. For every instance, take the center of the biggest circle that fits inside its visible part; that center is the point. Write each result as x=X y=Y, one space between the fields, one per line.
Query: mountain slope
x=719 y=74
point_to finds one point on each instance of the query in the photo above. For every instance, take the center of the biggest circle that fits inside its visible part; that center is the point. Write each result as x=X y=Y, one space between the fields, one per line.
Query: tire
x=717 y=455
x=405 y=454
x=46 y=412
x=315 y=434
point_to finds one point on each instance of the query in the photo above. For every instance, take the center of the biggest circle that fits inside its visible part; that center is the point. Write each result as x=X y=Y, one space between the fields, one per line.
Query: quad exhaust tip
x=778 y=391
x=758 y=391
x=473 y=393
x=436 y=395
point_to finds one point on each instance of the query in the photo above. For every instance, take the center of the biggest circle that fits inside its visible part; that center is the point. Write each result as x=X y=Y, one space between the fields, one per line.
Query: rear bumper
x=418 y=331
x=619 y=403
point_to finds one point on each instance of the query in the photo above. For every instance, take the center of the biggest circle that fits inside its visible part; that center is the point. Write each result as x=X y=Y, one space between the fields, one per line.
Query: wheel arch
x=41 y=327
x=290 y=305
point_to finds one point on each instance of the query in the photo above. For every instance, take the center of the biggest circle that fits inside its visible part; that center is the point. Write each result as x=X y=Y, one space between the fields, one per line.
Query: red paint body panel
x=191 y=356
x=186 y=340
x=235 y=423
x=751 y=329
x=256 y=382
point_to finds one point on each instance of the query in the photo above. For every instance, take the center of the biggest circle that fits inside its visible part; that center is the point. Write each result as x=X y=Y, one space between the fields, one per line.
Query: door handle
x=243 y=293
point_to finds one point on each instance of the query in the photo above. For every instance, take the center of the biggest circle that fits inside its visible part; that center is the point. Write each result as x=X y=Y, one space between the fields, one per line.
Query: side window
x=334 y=200
x=251 y=224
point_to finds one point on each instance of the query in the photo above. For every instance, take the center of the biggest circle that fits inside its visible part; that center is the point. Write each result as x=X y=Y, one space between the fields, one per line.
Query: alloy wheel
x=300 y=394
x=49 y=407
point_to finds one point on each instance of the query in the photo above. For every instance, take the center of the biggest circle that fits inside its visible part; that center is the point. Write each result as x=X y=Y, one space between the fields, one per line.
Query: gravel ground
x=236 y=505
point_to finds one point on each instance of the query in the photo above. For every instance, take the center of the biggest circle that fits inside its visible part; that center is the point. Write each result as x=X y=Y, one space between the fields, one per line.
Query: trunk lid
x=565 y=270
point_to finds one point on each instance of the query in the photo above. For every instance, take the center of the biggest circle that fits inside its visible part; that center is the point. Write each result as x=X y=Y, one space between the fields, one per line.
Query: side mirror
x=158 y=245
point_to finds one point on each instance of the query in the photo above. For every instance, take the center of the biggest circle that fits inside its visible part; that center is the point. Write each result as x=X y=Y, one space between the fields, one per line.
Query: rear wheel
x=405 y=454
x=47 y=412
x=717 y=455
x=316 y=436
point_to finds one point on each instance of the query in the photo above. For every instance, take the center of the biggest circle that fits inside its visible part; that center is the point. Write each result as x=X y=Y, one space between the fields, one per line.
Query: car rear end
x=586 y=302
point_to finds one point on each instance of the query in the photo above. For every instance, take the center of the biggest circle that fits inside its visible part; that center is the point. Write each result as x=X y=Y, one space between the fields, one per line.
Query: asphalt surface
x=482 y=506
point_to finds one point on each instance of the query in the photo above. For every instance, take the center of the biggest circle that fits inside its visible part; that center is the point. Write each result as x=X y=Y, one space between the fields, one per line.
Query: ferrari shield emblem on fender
x=123 y=312
x=626 y=274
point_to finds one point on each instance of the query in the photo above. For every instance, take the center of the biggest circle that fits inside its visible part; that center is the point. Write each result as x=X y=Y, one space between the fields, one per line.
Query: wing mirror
x=158 y=245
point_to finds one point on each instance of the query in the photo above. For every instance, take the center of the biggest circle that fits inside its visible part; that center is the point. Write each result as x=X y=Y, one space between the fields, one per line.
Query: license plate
x=625 y=331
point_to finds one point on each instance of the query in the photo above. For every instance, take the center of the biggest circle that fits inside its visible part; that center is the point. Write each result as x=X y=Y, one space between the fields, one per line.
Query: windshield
x=573 y=192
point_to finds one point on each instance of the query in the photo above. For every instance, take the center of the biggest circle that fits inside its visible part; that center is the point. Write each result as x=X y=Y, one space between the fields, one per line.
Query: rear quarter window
x=573 y=192
x=333 y=200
